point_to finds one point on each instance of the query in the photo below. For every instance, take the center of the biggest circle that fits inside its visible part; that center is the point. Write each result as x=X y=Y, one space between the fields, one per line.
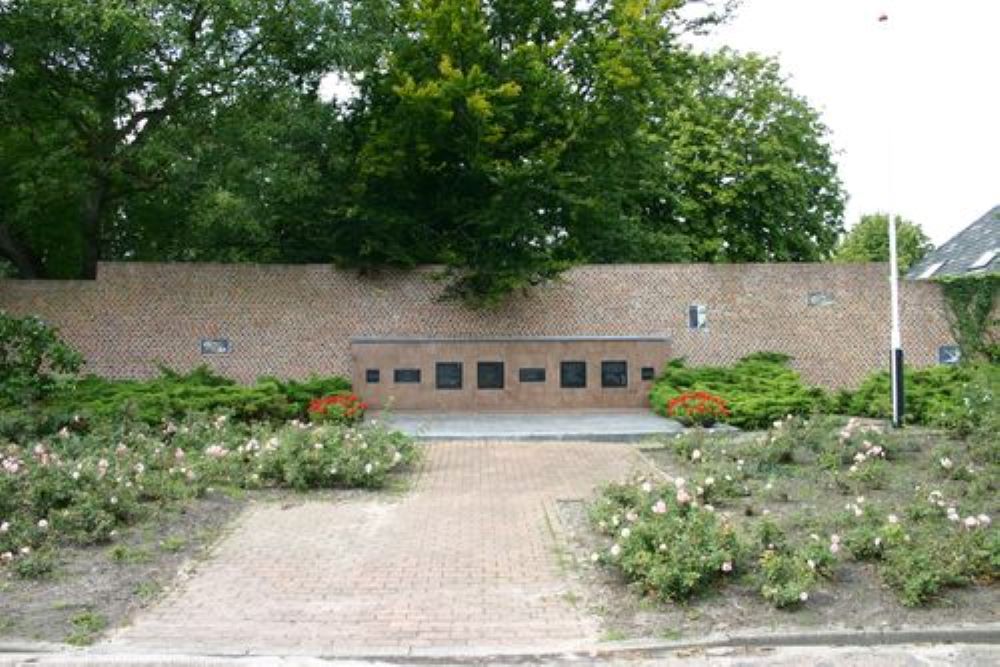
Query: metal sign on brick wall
x=215 y=346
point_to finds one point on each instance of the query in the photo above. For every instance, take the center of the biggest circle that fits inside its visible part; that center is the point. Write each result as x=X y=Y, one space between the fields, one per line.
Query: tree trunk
x=93 y=216
x=28 y=264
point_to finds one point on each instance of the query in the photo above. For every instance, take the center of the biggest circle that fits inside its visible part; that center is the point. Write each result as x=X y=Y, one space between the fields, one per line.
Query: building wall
x=293 y=321
x=385 y=356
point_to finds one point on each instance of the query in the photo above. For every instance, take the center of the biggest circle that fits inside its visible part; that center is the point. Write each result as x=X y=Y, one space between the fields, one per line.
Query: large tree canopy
x=868 y=241
x=89 y=89
x=502 y=139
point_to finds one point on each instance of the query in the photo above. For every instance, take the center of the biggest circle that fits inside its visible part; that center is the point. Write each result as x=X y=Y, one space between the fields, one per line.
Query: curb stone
x=983 y=636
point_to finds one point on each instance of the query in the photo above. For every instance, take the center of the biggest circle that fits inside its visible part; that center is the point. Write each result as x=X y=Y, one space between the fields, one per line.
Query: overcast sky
x=943 y=97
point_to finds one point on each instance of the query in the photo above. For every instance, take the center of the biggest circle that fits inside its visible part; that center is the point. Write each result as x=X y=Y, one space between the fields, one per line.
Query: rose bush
x=914 y=507
x=81 y=488
x=663 y=538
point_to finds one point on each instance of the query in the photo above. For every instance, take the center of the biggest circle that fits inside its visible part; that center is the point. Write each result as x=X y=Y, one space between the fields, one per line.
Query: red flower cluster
x=340 y=407
x=698 y=407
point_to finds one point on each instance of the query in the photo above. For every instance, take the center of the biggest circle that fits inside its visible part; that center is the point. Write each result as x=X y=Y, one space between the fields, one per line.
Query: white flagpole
x=896 y=342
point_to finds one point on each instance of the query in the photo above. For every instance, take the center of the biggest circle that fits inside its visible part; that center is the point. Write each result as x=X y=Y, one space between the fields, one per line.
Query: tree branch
x=26 y=262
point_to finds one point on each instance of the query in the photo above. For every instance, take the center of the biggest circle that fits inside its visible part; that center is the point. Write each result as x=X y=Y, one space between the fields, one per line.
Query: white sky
x=943 y=97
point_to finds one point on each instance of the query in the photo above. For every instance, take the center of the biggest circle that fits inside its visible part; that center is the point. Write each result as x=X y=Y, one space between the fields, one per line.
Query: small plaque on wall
x=531 y=374
x=820 y=299
x=215 y=346
x=949 y=354
x=406 y=376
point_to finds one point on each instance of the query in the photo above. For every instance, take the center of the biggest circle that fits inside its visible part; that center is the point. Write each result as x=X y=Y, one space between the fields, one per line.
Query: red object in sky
x=883 y=17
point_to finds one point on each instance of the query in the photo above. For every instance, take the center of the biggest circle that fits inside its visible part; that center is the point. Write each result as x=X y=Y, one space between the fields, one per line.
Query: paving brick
x=466 y=558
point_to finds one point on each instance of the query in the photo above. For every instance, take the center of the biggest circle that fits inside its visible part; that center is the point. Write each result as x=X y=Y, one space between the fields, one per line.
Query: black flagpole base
x=897 y=388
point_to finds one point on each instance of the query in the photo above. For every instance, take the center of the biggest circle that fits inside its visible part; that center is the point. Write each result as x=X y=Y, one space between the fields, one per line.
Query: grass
x=123 y=553
x=670 y=634
x=147 y=590
x=87 y=627
x=173 y=544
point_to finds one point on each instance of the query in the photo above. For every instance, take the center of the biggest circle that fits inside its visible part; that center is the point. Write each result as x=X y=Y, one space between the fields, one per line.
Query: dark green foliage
x=503 y=140
x=868 y=241
x=759 y=389
x=953 y=397
x=972 y=307
x=104 y=103
x=35 y=565
x=173 y=395
x=31 y=357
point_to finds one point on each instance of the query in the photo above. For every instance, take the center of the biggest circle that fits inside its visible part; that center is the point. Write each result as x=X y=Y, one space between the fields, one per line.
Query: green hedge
x=759 y=388
x=762 y=388
x=951 y=397
x=173 y=395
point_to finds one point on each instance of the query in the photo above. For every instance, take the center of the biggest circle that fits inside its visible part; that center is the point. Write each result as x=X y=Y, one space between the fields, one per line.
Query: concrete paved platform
x=575 y=425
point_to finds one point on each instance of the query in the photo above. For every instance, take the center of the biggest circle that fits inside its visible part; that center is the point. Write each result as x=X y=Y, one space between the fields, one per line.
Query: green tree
x=507 y=140
x=503 y=139
x=868 y=241
x=89 y=91
x=510 y=140
x=745 y=171
x=32 y=356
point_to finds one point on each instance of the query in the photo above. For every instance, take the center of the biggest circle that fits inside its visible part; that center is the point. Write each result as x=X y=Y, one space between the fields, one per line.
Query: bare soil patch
x=95 y=588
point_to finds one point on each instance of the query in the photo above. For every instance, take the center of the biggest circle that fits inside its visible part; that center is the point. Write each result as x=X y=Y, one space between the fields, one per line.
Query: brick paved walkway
x=467 y=559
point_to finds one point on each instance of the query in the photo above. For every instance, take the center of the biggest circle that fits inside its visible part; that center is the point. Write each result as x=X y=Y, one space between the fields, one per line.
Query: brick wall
x=542 y=354
x=293 y=321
